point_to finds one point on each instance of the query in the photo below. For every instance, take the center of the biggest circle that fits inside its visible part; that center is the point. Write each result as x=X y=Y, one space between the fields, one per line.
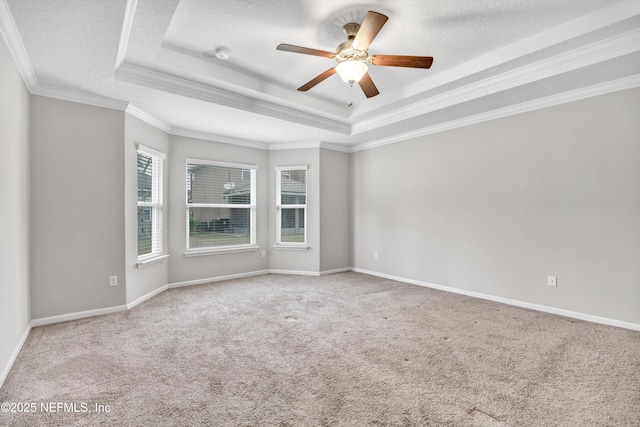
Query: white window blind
x=221 y=205
x=150 y=190
x=291 y=204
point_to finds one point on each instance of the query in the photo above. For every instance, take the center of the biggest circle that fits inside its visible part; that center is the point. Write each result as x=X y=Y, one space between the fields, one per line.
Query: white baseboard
x=79 y=315
x=143 y=298
x=295 y=272
x=217 y=279
x=14 y=356
x=258 y=273
x=311 y=273
x=108 y=310
x=538 y=307
x=336 y=270
x=517 y=303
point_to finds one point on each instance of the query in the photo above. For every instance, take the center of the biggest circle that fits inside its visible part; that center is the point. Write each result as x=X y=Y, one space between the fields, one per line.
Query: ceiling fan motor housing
x=350 y=30
x=345 y=51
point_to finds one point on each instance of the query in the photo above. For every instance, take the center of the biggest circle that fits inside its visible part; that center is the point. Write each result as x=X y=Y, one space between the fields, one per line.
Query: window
x=221 y=206
x=149 y=202
x=291 y=204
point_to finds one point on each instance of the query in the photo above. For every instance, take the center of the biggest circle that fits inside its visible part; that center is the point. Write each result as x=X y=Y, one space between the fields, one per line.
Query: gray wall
x=14 y=209
x=183 y=269
x=296 y=260
x=77 y=207
x=142 y=281
x=497 y=207
x=335 y=213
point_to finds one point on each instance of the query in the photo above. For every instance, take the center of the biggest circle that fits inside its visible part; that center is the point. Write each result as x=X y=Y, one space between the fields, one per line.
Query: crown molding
x=259 y=145
x=218 y=138
x=536 y=104
x=79 y=97
x=336 y=147
x=148 y=118
x=601 y=51
x=294 y=145
x=10 y=33
x=314 y=144
x=167 y=83
x=127 y=24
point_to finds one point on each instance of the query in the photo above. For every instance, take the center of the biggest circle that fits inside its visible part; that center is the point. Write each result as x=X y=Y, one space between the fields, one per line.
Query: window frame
x=279 y=206
x=252 y=206
x=156 y=204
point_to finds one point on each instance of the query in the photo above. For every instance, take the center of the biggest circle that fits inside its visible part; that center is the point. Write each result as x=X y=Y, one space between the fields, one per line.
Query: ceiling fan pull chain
x=350 y=104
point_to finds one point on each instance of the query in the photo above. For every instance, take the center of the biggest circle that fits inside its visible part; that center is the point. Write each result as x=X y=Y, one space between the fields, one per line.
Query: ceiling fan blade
x=369 y=89
x=305 y=87
x=402 y=61
x=305 y=50
x=369 y=29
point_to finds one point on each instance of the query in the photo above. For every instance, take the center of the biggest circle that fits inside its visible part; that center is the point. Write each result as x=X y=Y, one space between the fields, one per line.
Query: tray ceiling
x=156 y=58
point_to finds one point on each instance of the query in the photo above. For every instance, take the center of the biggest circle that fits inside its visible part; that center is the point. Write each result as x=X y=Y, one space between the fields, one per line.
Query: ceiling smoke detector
x=223 y=53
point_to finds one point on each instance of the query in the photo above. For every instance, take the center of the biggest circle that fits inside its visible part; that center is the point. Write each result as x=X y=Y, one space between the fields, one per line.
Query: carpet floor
x=341 y=350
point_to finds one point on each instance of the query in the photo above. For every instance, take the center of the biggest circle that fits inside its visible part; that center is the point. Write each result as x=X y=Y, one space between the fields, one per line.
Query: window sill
x=218 y=251
x=145 y=262
x=285 y=247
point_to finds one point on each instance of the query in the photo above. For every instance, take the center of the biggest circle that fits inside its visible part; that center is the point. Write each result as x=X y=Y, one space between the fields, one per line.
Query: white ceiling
x=491 y=58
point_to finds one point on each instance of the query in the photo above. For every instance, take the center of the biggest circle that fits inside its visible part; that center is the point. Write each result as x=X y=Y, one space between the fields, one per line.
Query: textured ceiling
x=492 y=58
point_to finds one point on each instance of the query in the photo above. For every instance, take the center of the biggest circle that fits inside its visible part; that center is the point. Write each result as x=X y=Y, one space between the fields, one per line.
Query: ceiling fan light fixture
x=351 y=71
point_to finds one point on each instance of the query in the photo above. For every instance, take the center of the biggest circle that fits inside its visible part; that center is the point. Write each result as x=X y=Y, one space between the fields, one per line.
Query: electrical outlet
x=375 y=255
x=113 y=280
x=264 y=254
x=552 y=281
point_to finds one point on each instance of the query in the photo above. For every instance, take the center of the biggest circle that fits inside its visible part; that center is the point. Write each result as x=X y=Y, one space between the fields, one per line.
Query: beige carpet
x=340 y=350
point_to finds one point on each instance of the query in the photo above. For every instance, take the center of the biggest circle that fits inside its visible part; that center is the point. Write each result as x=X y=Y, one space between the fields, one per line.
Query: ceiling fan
x=352 y=55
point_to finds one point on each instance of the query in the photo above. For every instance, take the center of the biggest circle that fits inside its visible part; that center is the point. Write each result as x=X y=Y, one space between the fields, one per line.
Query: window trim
x=279 y=206
x=157 y=206
x=252 y=206
x=151 y=260
x=220 y=250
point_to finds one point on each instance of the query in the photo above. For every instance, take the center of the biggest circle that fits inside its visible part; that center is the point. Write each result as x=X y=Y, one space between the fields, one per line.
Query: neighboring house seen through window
x=221 y=205
x=150 y=226
x=291 y=205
